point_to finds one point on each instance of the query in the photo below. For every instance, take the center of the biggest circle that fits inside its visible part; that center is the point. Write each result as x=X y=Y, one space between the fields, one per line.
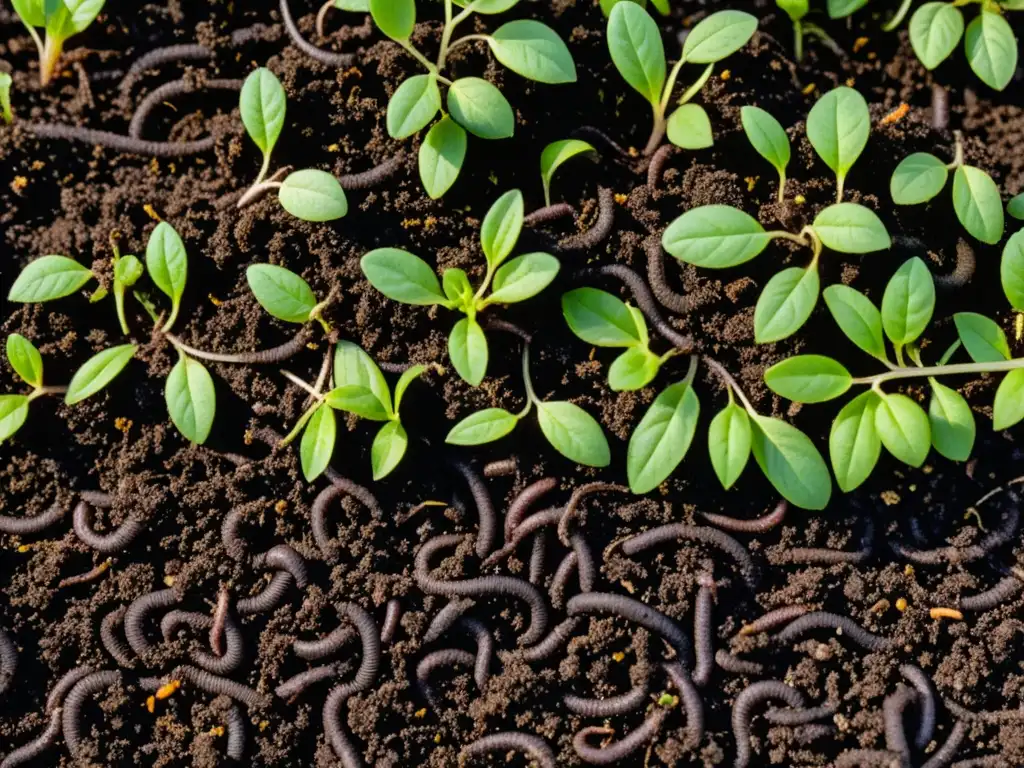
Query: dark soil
x=60 y=197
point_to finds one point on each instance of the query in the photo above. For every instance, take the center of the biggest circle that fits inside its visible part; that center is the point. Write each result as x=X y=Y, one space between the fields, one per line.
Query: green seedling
x=661 y=6
x=27 y=363
x=308 y=194
x=634 y=42
x=921 y=176
x=554 y=155
x=1016 y=207
x=877 y=418
x=572 y=431
x=798 y=10
x=403 y=277
x=60 y=19
x=769 y=138
x=361 y=389
x=527 y=47
x=5 y=98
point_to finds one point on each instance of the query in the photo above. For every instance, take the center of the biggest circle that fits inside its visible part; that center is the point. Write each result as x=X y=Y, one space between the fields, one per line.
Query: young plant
x=60 y=19
x=797 y=10
x=554 y=155
x=5 y=98
x=877 y=418
x=572 y=431
x=527 y=47
x=634 y=42
x=403 y=277
x=28 y=365
x=921 y=176
x=769 y=139
x=309 y=194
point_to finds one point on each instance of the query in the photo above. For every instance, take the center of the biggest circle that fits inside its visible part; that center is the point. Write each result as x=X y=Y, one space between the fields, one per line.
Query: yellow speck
x=172 y=167
x=726 y=74
x=901 y=604
x=593 y=350
x=1018 y=326
x=264 y=724
x=890 y=498
x=217 y=730
x=407 y=223
x=751 y=182
x=429 y=223
x=154 y=166
x=628 y=586
x=280 y=506
x=166 y=690
x=808 y=89
x=946 y=613
x=667 y=700
x=420 y=713
x=880 y=607
x=38 y=165
x=872 y=55
x=24 y=548
x=214 y=300
x=908 y=570
x=333 y=148
x=312 y=345
x=437 y=738
x=799 y=199
x=896 y=115
x=618 y=656
x=19 y=183
x=859 y=43
x=621 y=198
x=150 y=704
x=121 y=424
x=169 y=580
x=247 y=437
x=493 y=178
x=849 y=82
x=634 y=152
x=151 y=212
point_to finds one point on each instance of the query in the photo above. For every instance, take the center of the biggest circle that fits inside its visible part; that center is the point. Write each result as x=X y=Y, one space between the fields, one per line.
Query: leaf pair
x=985 y=342
x=990 y=45
x=61 y=19
x=28 y=365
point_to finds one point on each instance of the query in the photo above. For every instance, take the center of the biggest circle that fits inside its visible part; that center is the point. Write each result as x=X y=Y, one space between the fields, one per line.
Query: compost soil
x=63 y=197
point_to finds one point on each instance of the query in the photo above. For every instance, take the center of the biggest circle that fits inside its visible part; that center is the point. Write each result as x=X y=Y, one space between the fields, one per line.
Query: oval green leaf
x=840 y=9
x=952 y=423
x=25 y=360
x=785 y=303
x=401 y=276
x=523 y=277
x=715 y=236
x=441 y=156
x=318 y=440
x=13 y=412
x=729 y=440
x=689 y=127
x=1016 y=207
x=634 y=42
x=662 y=438
x=413 y=106
x=502 y=225
x=857 y=317
x=354 y=367
x=48 y=278
x=167 y=262
x=395 y=18
x=917 y=179
x=191 y=399
x=467 y=347
x=853 y=443
x=991 y=49
x=908 y=302
x=1011 y=271
x=408 y=377
x=903 y=428
x=358 y=399
x=388 y=449
x=456 y=287
x=313 y=195
x=574 y=433
x=632 y=370
x=480 y=108
x=978 y=204
x=281 y=292
x=983 y=338
x=1009 y=403
x=766 y=136
x=97 y=372
x=935 y=29
x=599 y=318
x=718 y=36
x=808 y=379
x=263 y=104
x=554 y=155
x=838 y=127
x=481 y=427
x=533 y=50
x=851 y=228
x=791 y=463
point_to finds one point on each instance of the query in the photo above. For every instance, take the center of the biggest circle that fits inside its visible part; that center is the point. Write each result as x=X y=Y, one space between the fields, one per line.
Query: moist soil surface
x=68 y=197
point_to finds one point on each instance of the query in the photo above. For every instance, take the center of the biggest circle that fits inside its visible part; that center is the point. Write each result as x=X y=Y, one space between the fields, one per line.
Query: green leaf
x=1016 y=207
x=281 y=292
x=25 y=360
x=5 y=98
x=791 y=463
x=523 y=277
x=263 y=106
x=808 y=379
x=599 y=318
x=853 y=443
x=128 y=270
x=857 y=317
x=904 y=429
x=554 y=155
x=918 y=178
x=441 y=156
x=1011 y=271
x=488 y=6
x=401 y=276
x=167 y=264
x=767 y=136
x=634 y=42
x=13 y=412
x=662 y=438
x=48 y=278
x=388 y=449
x=317 y=445
x=413 y=106
x=641 y=325
x=908 y=302
x=408 y=377
x=98 y=371
x=795 y=9
x=1009 y=404
x=840 y=9
x=73 y=17
x=851 y=228
x=952 y=423
x=574 y=433
x=457 y=288
x=991 y=49
x=356 y=6
x=983 y=339
x=838 y=127
x=634 y=369
x=690 y=128
x=533 y=50
x=31 y=12
x=480 y=108
x=191 y=399
x=313 y=195
x=395 y=18
x=358 y=399
x=502 y=225
x=729 y=440
x=467 y=347
x=354 y=367
x=785 y=303
x=978 y=204
x=715 y=236
x=607 y=5
x=481 y=427
x=935 y=29
x=718 y=36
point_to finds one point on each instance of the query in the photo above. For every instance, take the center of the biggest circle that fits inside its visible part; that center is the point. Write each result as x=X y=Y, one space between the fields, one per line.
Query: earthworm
x=233 y=543
x=534 y=746
x=944 y=755
x=328 y=645
x=986 y=761
x=732 y=663
x=526 y=499
x=119 y=142
x=8 y=660
x=334 y=729
x=391 y=617
x=574 y=502
x=231 y=660
x=825 y=556
x=250 y=34
x=712 y=536
x=110 y=640
x=293 y=686
x=235 y=723
x=558 y=637
x=693 y=704
x=374 y=176
x=596 y=133
x=220 y=615
x=501 y=468
x=808 y=734
x=135 y=617
x=940 y=107
x=999 y=716
x=757 y=525
x=284 y=558
x=530 y=525
x=443 y=658
x=37 y=746
x=637 y=612
x=990 y=598
x=270 y=598
x=619 y=750
x=220 y=686
x=483 y=585
x=70 y=716
x=497 y=324
x=657 y=166
x=645 y=301
x=318 y=514
x=864 y=758
x=561 y=579
x=327 y=58
x=600 y=229
x=942 y=555
x=369 y=637
x=65 y=684
x=773 y=619
x=966 y=262
x=925 y=702
x=23 y=526
x=537 y=558
x=174 y=620
x=488 y=530
x=484 y=649
x=115 y=541
x=743 y=710
x=277 y=354
x=621 y=704
x=793 y=717
x=548 y=213
x=892 y=710
x=703 y=635
x=840 y=624
x=168 y=91
x=168 y=55
x=672 y=301
x=85 y=578
x=447 y=617
x=586 y=567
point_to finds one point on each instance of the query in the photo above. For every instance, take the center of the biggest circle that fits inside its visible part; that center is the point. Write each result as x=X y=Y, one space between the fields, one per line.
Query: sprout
x=60 y=19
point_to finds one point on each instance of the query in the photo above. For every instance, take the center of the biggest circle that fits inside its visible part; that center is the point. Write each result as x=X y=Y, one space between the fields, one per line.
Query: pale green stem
x=166 y=327
x=484 y=286
x=467 y=39
x=531 y=395
x=899 y=355
x=692 y=371
x=798 y=40
x=670 y=84
x=119 y=305
x=694 y=89
x=199 y=354
x=418 y=56
x=49 y=57
x=719 y=370
x=949 y=352
x=840 y=181
x=315 y=313
x=299 y=425
x=43 y=391
x=301 y=384
x=813 y=29
x=260 y=186
x=898 y=17
x=958 y=152
x=782 y=185
x=657 y=130
x=780 y=234
x=958 y=369
x=449 y=28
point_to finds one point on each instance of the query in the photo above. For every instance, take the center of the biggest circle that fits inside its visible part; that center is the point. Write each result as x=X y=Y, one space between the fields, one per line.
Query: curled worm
x=657 y=165
x=693 y=704
x=71 y=715
x=555 y=639
x=534 y=746
x=635 y=611
x=115 y=541
x=168 y=55
x=84 y=578
x=586 y=566
x=622 y=704
x=966 y=262
x=895 y=735
x=168 y=91
x=944 y=755
x=284 y=558
x=330 y=644
x=233 y=543
x=118 y=142
x=22 y=526
x=619 y=750
x=990 y=598
x=576 y=499
x=293 y=686
x=794 y=717
x=328 y=58
x=533 y=523
x=673 y=531
x=840 y=624
x=219 y=686
x=926 y=698
x=65 y=684
x=434 y=660
x=757 y=525
x=825 y=556
x=703 y=636
x=488 y=530
x=561 y=578
x=600 y=229
x=774 y=619
x=38 y=745
x=111 y=642
x=497 y=324
x=173 y=621
x=743 y=710
x=672 y=301
x=548 y=213
x=447 y=617
x=391 y=617
x=232 y=658
x=374 y=176
x=270 y=598
x=8 y=660
x=529 y=496
x=235 y=723
x=135 y=617
x=737 y=666
x=339 y=486
x=995 y=539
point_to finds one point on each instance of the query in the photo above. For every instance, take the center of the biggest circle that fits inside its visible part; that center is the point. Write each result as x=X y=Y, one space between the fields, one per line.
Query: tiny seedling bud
x=60 y=19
